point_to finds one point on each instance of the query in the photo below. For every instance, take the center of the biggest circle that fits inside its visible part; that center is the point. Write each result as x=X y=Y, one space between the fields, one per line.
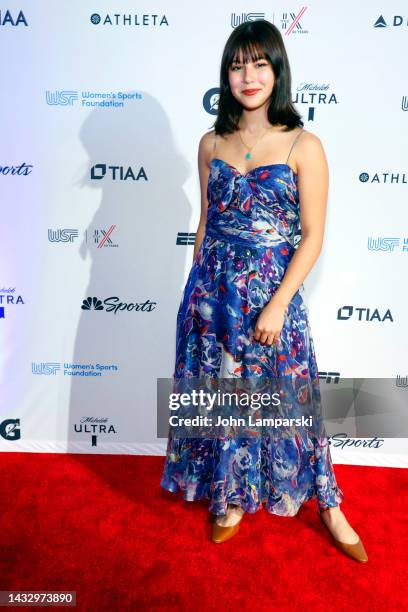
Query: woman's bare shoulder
x=205 y=146
x=309 y=152
x=207 y=139
x=309 y=139
x=308 y=144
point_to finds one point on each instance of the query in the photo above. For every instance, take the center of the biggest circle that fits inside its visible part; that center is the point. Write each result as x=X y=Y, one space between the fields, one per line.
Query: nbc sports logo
x=92 y=303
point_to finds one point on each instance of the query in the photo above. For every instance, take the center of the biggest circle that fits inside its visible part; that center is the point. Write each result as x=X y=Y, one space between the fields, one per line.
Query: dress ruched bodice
x=260 y=207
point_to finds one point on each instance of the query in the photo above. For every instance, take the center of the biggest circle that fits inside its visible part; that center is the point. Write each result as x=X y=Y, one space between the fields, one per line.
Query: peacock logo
x=92 y=303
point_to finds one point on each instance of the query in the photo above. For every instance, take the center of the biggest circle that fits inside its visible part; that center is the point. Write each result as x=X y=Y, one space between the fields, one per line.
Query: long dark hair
x=257 y=39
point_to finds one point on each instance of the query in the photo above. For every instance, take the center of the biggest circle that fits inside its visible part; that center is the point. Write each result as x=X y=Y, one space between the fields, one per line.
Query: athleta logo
x=112 y=304
x=128 y=20
x=362 y=314
x=116 y=173
x=383 y=177
x=6 y=18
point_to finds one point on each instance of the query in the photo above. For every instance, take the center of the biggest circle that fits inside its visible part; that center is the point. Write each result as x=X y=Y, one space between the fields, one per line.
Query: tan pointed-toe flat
x=354 y=551
x=222 y=534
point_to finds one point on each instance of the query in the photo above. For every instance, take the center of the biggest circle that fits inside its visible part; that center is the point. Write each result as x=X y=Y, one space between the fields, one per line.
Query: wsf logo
x=237 y=19
x=62 y=235
x=401 y=381
x=61 y=98
x=47 y=369
x=91 y=99
x=99 y=237
x=387 y=244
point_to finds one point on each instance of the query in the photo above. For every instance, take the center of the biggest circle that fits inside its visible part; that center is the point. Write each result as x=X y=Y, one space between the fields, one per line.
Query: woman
x=242 y=312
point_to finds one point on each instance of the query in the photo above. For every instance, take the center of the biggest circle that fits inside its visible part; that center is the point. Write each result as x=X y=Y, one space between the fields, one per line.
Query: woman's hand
x=269 y=323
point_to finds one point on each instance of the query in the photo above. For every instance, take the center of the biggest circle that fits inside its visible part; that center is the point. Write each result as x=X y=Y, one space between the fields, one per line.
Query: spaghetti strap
x=293 y=144
x=214 y=147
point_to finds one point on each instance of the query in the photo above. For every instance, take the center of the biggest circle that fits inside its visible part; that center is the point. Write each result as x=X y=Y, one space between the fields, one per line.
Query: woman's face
x=251 y=84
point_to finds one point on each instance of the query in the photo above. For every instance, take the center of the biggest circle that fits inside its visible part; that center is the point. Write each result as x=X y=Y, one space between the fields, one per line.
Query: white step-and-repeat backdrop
x=102 y=109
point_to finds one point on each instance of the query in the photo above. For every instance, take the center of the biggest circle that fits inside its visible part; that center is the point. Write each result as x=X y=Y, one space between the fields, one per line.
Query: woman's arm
x=313 y=185
x=204 y=155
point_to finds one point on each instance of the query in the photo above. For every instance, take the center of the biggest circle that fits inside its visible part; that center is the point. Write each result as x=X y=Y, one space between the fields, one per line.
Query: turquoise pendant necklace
x=248 y=154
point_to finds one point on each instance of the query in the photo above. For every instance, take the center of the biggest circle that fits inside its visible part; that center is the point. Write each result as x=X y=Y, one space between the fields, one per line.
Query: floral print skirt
x=228 y=285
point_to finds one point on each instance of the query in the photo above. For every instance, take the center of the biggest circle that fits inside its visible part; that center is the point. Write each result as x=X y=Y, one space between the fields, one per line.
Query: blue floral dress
x=252 y=230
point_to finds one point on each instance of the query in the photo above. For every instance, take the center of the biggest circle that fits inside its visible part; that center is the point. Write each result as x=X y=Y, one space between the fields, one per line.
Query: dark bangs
x=245 y=52
x=250 y=42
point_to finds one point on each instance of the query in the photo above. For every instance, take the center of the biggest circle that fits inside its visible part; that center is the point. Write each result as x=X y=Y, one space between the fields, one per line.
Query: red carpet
x=102 y=526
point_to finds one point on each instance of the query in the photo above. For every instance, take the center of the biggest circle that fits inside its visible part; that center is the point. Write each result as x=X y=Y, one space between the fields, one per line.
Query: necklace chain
x=248 y=154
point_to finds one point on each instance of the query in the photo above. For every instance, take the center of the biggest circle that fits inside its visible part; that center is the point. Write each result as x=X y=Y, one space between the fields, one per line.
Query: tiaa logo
x=6 y=18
